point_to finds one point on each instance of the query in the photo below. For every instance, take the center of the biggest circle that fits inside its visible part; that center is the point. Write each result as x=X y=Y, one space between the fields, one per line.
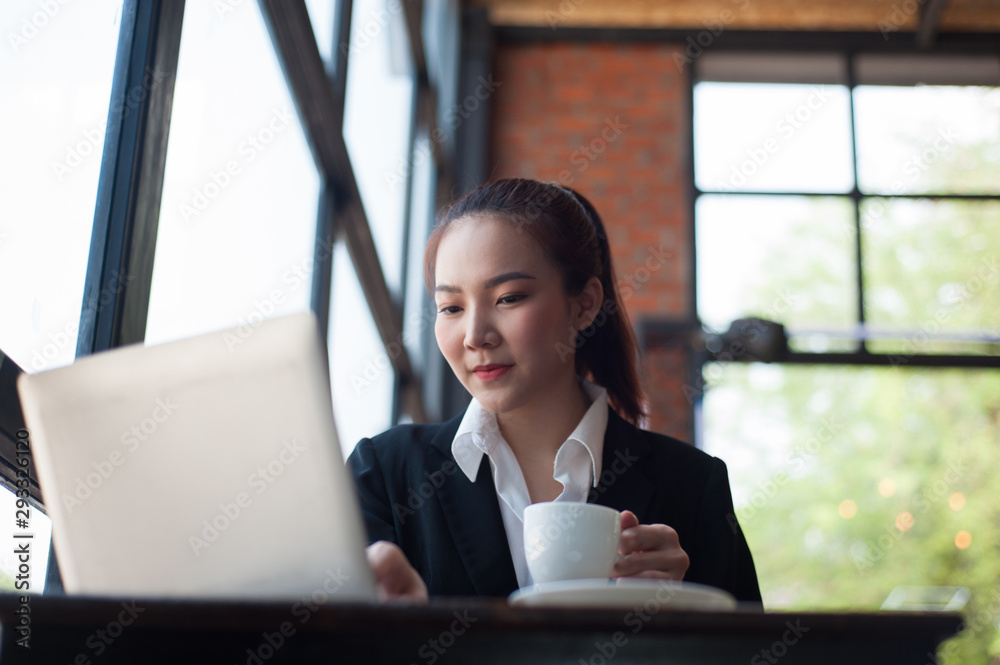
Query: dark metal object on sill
x=748 y=339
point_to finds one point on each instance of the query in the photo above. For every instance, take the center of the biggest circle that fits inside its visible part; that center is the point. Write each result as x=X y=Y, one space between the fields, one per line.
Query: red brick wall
x=611 y=121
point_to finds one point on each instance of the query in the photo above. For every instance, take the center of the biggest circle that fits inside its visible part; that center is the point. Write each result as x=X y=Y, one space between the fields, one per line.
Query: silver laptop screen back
x=207 y=467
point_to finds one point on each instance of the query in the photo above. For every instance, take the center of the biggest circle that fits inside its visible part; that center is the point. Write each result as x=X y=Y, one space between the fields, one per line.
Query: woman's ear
x=589 y=303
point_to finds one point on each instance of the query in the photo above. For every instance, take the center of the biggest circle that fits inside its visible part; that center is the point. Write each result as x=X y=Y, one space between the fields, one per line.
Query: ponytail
x=609 y=352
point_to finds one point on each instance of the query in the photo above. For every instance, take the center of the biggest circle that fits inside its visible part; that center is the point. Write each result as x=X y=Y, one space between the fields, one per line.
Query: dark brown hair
x=571 y=233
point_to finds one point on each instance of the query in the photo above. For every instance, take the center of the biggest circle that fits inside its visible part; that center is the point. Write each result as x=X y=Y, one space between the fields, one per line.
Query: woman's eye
x=510 y=300
x=448 y=309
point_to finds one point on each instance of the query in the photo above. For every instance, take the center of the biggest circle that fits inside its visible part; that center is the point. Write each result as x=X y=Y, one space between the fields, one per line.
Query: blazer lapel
x=472 y=510
x=472 y=513
x=623 y=485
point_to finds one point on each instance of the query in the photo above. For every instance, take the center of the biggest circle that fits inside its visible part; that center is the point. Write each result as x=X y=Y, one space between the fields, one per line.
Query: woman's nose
x=480 y=331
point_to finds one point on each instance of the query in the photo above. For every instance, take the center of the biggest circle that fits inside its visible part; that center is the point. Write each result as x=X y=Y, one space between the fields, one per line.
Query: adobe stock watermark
x=915 y=165
x=132 y=440
x=364 y=35
x=417 y=496
x=870 y=552
x=780 y=647
x=101 y=639
x=752 y=329
x=640 y=616
x=627 y=287
x=622 y=462
x=635 y=619
x=984 y=618
x=382 y=362
x=902 y=13
x=565 y=9
x=35 y=22
x=587 y=154
x=987 y=275
x=248 y=150
x=223 y=8
x=92 y=142
x=77 y=153
x=435 y=647
x=296 y=276
x=538 y=539
x=456 y=115
x=263 y=309
x=577 y=338
x=59 y=340
x=696 y=45
x=796 y=459
x=302 y=610
x=786 y=128
x=260 y=480
x=637 y=278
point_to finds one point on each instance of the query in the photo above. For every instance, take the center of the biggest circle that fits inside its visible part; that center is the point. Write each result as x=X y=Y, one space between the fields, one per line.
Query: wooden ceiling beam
x=901 y=16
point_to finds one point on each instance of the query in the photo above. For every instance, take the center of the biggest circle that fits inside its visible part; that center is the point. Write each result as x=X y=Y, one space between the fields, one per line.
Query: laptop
x=207 y=467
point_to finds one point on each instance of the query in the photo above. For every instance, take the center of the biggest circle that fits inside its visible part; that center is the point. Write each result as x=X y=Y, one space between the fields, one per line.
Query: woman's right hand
x=395 y=578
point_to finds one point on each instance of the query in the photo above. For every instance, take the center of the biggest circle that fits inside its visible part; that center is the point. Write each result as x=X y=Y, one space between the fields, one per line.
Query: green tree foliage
x=853 y=481
x=867 y=479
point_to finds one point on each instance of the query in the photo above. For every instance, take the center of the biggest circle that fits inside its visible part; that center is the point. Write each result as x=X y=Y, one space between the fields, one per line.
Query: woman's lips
x=491 y=372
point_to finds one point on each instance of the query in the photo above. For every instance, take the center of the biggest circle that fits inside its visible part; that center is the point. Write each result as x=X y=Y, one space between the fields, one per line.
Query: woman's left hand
x=649 y=550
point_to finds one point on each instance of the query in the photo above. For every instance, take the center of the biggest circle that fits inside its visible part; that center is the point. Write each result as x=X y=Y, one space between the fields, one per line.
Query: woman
x=530 y=321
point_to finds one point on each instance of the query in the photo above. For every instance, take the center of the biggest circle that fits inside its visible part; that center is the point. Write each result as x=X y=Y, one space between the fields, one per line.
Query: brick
x=555 y=100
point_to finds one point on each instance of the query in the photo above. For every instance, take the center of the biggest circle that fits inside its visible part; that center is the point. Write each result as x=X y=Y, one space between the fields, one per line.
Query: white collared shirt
x=577 y=465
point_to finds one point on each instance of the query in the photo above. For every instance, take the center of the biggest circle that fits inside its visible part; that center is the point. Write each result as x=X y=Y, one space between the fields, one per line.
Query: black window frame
x=130 y=185
x=946 y=66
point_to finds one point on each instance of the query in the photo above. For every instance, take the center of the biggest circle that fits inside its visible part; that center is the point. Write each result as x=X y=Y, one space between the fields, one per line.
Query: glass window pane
x=931 y=269
x=238 y=218
x=360 y=369
x=771 y=137
x=419 y=311
x=441 y=26
x=322 y=14
x=377 y=116
x=787 y=259
x=851 y=481
x=56 y=70
x=928 y=139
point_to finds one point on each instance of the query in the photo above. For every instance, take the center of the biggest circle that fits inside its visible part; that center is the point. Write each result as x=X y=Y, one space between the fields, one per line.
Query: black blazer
x=413 y=494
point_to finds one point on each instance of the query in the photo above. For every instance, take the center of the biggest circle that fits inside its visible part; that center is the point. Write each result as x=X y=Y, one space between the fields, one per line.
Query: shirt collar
x=479 y=433
x=591 y=428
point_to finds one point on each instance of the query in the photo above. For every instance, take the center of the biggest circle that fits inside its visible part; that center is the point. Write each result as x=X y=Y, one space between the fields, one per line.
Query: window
x=812 y=239
x=850 y=481
x=238 y=215
x=244 y=178
x=360 y=367
x=56 y=71
x=323 y=16
x=773 y=137
x=863 y=215
x=879 y=261
x=378 y=114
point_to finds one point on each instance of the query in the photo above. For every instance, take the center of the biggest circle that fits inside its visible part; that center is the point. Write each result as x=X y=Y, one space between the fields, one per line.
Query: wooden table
x=86 y=630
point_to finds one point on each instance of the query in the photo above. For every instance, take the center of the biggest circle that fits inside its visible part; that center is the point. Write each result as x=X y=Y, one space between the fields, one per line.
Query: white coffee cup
x=567 y=540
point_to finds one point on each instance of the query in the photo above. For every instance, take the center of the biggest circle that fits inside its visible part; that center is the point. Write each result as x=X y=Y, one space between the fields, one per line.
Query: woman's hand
x=649 y=550
x=395 y=578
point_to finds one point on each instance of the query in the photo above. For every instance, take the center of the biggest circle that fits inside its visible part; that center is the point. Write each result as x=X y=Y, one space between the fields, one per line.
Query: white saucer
x=646 y=594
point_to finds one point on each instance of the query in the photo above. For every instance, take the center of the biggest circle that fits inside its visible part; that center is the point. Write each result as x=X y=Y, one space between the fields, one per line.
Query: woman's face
x=504 y=322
